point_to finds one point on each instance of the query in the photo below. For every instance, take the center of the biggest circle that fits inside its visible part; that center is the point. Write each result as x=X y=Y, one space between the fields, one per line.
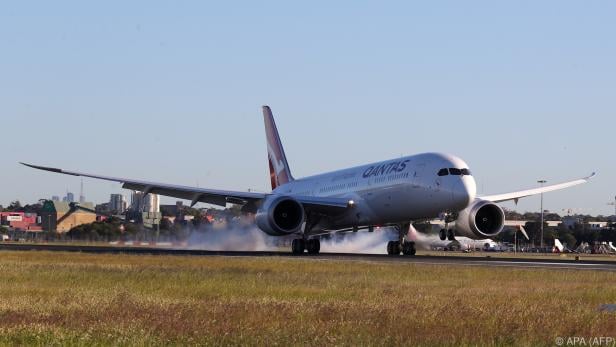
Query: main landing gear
x=407 y=248
x=402 y=245
x=313 y=246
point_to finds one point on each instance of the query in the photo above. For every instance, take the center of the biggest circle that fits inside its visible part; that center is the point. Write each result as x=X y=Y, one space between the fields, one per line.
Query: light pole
x=515 y=241
x=541 y=182
x=613 y=204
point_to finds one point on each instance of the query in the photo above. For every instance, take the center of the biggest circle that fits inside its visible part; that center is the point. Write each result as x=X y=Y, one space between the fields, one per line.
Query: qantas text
x=385 y=169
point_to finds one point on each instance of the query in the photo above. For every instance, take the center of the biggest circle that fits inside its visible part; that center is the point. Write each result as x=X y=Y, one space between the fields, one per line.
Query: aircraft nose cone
x=464 y=192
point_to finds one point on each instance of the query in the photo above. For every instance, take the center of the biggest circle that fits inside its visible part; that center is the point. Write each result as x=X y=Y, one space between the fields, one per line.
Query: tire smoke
x=242 y=237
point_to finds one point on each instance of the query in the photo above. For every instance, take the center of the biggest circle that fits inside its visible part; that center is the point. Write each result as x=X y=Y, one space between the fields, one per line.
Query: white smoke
x=227 y=238
x=427 y=241
x=360 y=242
x=375 y=242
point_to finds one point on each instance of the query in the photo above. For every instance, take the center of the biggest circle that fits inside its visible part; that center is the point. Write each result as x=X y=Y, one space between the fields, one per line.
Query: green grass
x=52 y=298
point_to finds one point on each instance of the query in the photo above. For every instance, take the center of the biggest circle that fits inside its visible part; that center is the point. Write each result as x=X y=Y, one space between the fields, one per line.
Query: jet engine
x=480 y=220
x=280 y=215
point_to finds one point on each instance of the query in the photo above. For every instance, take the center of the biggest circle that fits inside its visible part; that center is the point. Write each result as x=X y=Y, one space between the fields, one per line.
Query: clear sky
x=171 y=91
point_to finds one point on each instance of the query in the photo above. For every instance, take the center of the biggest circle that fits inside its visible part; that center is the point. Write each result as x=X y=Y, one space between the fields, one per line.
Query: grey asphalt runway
x=457 y=260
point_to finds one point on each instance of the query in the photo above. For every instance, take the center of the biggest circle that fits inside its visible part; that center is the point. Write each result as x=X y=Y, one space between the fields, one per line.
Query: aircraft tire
x=298 y=246
x=442 y=234
x=408 y=248
x=313 y=246
x=450 y=235
x=393 y=248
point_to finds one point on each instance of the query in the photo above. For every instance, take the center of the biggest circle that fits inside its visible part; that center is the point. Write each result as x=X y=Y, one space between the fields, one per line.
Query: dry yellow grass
x=84 y=299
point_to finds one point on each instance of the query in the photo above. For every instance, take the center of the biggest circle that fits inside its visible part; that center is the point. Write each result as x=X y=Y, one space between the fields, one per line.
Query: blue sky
x=171 y=91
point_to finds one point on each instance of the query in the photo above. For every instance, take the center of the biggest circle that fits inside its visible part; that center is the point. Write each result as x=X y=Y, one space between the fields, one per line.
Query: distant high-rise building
x=70 y=197
x=55 y=198
x=136 y=201
x=152 y=203
x=149 y=203
x=117 y=204
x=82 y=198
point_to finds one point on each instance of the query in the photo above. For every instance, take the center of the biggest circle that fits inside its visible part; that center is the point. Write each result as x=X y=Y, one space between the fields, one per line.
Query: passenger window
x=454 y=171
x=466 y=172
x=443 y=172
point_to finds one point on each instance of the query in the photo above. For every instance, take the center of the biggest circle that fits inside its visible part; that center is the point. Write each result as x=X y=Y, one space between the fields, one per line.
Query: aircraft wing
x=210 y=196
x=324 y=205
x=524 y=193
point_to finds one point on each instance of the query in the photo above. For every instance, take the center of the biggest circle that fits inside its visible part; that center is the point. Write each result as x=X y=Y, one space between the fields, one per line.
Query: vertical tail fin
x=559 y=245
x=279 y=168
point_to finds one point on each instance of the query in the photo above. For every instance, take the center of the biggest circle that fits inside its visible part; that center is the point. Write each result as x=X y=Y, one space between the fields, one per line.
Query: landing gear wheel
x=393 y=248
x=313 y=246
x=298 y=246
x=442 y=234
x=450 y=235
x=408 y=248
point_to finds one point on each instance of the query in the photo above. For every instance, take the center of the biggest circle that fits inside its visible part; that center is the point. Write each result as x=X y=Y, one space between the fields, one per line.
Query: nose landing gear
x=448 y=234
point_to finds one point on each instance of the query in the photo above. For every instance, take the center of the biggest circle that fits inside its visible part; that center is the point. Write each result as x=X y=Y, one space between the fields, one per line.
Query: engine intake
x=280 y=215
x=481 y=220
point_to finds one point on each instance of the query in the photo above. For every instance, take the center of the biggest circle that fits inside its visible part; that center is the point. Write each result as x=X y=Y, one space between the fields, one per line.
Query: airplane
x=431 y=241
x=389 y=193
x=558 y=246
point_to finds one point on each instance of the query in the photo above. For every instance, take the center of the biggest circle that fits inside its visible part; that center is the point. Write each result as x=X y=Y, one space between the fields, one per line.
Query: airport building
x=21 y=221
x=60 y=216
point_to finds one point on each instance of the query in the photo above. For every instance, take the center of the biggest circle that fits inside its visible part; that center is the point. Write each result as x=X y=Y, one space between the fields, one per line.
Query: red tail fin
x=279 y=168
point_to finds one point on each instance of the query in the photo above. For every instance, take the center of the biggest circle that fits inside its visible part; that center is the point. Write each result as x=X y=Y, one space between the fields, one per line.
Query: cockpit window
x=454 y=171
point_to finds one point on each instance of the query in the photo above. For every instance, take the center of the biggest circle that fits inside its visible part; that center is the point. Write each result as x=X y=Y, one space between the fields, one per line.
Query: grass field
x=84 y=299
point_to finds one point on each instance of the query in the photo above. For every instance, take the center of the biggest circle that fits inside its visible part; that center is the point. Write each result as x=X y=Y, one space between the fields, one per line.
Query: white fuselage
x=393 y=191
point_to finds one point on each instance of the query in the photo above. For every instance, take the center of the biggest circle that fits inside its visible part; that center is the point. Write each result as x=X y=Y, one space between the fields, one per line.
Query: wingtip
x=45 y=168
x=591 y=175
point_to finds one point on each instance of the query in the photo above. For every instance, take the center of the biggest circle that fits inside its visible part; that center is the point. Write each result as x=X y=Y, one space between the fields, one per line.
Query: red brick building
x=19 y=220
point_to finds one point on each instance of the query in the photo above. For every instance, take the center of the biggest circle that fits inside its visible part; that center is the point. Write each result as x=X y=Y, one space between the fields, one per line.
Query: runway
x=457 y=260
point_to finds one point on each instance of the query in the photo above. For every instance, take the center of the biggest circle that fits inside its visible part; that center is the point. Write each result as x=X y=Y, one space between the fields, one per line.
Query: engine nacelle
x=480 y=220
x=280 y=215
